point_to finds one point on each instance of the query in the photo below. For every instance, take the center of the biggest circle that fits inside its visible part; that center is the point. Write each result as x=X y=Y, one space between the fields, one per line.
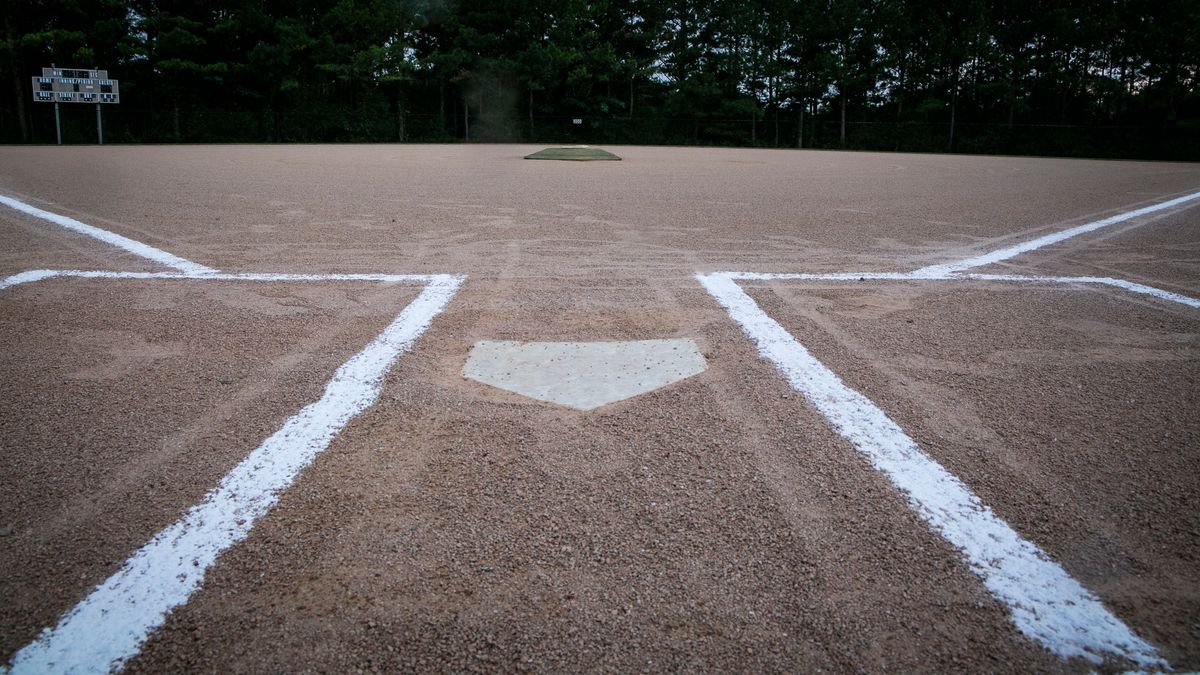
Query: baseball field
x=943 y=413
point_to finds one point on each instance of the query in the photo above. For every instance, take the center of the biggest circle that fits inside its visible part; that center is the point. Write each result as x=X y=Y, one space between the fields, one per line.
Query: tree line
x=1103 y=78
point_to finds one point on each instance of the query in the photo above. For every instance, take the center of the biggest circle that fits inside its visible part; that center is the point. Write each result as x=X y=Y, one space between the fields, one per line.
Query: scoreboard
x=75 y=85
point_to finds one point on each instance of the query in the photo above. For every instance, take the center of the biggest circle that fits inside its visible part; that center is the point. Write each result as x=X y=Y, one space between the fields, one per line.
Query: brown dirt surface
x=125 y=401
x=716 y=524
x=1072 y=413
x=1163 y=253
x=482 y=208
x=29 y=243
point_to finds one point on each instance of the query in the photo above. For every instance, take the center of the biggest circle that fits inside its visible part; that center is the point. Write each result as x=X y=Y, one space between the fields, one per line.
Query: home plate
x=583 y=375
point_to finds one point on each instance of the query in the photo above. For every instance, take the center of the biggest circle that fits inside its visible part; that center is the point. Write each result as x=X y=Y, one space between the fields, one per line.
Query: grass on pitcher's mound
x=578 y=153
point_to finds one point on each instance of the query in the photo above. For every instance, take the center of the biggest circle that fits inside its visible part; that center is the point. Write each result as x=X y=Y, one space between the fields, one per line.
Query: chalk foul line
x=1122 y=284
x=26 y=277
x=110 y=625
x=136 y=247
x=1045 y=602
x=1053 y=238
x=39 y=275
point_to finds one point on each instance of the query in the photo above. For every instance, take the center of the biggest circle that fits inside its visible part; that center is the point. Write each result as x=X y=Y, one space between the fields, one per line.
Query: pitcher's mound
x=576 y=153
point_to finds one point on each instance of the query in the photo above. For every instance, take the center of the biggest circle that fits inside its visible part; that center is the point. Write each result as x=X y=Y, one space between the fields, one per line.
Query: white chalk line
x=1053 y=238
x=74 y=640
x=39 y=275
x=136 y=247
x=26 y=277
x=919 y=276
x=110 y=625
x=1105 y=281
x=1046 y=603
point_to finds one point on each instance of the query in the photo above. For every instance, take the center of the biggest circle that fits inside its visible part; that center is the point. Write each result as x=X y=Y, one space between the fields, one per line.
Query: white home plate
x=583 y=375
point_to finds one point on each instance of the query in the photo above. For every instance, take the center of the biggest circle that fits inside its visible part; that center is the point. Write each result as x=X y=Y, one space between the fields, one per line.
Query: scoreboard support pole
x=57 y=124
x=99 y=127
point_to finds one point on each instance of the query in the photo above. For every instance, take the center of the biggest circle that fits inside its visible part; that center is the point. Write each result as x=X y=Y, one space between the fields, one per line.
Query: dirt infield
x=26 y=243
x=1071 y=413
x=432 y=209
x=1166 y=254
x=122 y=410
x=720 y=523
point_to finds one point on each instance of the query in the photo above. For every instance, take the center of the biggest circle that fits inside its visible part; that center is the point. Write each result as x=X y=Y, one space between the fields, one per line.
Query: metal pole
x=57 y=121
x=99 y=123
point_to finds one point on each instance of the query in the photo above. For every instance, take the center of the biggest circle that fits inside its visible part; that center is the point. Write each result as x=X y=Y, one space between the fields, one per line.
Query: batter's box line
x=133 y=246
x=919 y=275
x=40 y=275
x=1046 y=603
x=111 y=624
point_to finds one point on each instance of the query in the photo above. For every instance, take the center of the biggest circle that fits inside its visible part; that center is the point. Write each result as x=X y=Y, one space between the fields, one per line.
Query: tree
x=980 y=75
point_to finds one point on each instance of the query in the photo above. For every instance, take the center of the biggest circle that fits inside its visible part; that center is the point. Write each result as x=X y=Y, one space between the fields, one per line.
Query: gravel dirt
x=28 y=243
x=1071 y=413
x=715 y=524
x=125 y=401
x=1165 y=253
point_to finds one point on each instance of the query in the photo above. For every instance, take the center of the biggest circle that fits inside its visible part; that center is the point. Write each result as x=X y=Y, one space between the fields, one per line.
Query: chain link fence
x=378 y=125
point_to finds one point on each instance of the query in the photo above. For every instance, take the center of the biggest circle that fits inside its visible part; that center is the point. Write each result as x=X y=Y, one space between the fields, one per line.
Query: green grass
x=575 y=154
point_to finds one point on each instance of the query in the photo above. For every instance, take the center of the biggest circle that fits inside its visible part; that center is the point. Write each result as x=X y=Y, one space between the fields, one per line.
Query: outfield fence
x=373 y=125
